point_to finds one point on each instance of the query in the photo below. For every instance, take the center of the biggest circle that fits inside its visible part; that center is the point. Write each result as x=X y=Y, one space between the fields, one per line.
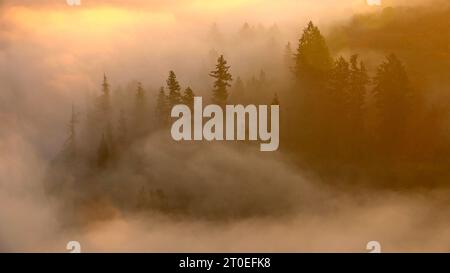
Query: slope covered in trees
x=347 y=117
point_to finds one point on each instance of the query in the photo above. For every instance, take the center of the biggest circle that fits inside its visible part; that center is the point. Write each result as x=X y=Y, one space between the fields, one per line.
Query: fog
x=53 y=56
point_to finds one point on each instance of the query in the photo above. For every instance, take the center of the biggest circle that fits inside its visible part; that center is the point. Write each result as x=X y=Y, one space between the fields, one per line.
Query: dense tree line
x=336 y=118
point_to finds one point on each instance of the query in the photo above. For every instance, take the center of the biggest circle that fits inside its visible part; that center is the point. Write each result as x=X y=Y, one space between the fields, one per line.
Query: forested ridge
x=350 y=119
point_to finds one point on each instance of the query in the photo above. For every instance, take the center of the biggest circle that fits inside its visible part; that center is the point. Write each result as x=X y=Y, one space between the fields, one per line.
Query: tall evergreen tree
x=358 y=82
x=140 y=99
x=174 y=88
x=105 y=99
x=140 y=124
x=162 y=108
x=188 y=97
x=393 y=95
x=313 y=59
x=103 y=153
x=338 y=85
x=222 y=81
x=288 y=56
x=312 y=65
x=70 y=146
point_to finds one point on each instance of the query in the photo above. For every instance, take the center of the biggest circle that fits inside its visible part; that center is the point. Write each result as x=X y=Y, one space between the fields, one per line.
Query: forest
x=87 y=153
x=350 y=119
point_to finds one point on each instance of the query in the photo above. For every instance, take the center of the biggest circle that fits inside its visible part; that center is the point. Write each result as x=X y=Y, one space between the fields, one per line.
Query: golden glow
x=220 y=5
x=86 y=21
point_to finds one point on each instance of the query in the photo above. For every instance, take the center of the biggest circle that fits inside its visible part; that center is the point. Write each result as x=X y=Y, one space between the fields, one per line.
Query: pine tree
x=174 y=90
x=222 y=81
x=103 y=153
x=105 y=100
x=140 y=100
x=312 y=65
x=140 y=124
x=288 y=56
x=162 y=108
x=313 y=59
x=338 y=85
x=393 y=96
x=70 y=144
x=246 y=32
x=188 y=97
x=358 y=81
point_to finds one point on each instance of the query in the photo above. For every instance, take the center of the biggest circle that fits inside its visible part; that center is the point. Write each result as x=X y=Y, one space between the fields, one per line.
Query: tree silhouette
x=222 y=82
x=358 y=82
x=105 y=100
x=288 y=56
x=103 y=153
x=393 y=96
x=174 y=88
x=141 y=125
x=162 y=108
x=312 y=101
x=70 y=146
x=338 y=85
x=188 y=97
x=312 y=60
x=140 y=99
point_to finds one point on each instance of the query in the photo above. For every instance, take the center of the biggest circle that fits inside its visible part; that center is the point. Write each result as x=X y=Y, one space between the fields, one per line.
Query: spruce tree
x=105 y=100
x=338 y=85
x=312 y=59
x=70 y=146
x=188 y=97
x=174 y=88
x=103 y=153
x=222 y=82
x=162 y=108
x=140 y=125
x=140 y=100
x=358 y=82
x=288 y=56
x=393 y=96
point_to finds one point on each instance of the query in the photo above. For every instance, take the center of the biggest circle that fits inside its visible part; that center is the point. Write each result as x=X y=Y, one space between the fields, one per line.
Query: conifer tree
x=162 y=108
x=70 y=144
x=105 y=100
x=174 y=88
x=140 y=123
x=288 y=56
x=188 y=97
x=358 y=82
x=393 y=96
x=140 y=99
x=312 y=59
x=222 y=81
x=338 y=85
x=103 y=153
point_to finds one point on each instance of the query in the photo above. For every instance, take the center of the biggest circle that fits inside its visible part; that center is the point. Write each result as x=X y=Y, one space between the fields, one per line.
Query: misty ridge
x=363 y=112
x=340 y=121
